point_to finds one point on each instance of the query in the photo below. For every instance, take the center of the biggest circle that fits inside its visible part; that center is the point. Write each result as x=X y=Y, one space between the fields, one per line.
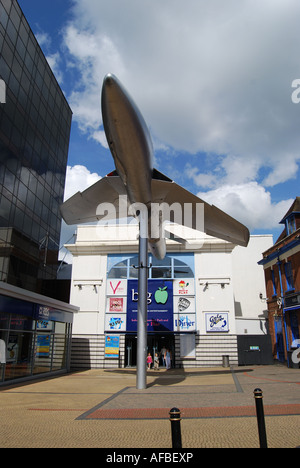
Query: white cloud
x=214 y=77
x=91 y=52
x=249 y=203
x=211 y=77
x=78 y=178
x=43 y=39
x=54 y=61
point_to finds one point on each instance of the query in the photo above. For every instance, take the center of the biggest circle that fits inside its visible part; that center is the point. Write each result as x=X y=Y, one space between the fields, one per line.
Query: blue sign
x=160 y=305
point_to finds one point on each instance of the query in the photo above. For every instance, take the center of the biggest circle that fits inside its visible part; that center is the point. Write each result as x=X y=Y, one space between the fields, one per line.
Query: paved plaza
x=103 y=409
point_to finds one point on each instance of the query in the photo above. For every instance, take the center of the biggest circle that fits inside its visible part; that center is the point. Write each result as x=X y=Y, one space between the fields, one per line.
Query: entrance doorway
x=155 y=344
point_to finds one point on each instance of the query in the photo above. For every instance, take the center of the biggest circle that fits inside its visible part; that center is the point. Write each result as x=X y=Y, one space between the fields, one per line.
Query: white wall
x=249 y=283
x=217 y=263
x=88 y=292
x=213 y=273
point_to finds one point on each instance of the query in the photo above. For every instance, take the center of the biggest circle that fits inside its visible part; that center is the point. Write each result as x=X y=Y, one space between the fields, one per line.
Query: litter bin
x=225 y=359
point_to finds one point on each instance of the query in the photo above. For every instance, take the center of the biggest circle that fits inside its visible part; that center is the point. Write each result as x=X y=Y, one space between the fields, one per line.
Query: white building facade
x=203 y=295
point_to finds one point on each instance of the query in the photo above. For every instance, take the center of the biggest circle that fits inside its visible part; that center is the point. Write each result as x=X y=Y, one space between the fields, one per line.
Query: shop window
x=32 y=346
x=18 y=354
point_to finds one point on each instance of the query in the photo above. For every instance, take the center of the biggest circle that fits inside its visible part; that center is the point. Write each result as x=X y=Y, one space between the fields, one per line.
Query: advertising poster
x=112 y=346
x=43 y=345
x=159 y=305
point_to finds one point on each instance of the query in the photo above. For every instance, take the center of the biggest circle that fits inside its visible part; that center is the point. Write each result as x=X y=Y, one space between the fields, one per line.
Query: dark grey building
x=35 y=121
x=35 y=125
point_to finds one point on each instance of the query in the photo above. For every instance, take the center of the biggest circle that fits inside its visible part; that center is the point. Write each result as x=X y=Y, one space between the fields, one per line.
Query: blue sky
x=212 y=79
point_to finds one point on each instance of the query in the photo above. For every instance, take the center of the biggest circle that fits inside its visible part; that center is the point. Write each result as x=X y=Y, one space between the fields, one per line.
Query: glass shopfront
x=34 y=339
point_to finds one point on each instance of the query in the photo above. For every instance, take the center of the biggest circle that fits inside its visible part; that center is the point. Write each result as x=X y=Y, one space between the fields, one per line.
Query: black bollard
x=260 y=418
x=175 y=427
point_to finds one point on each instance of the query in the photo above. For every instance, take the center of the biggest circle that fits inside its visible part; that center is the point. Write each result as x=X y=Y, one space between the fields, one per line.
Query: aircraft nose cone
x=109 y=80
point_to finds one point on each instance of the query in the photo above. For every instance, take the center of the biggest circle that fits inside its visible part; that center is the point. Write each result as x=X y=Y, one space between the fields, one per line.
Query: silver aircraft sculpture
x=135 y=183
x=131 y=147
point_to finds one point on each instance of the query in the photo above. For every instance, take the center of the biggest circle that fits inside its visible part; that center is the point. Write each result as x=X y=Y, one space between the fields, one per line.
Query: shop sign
x=159 y=305
x=112 y=346
x=116 y=304
x=43 y=312
x=115 y=322
x=292 y=301
x=116 y=287
x=185 y=323
x=184 y=305
x=44 y=325
x=217 y=322
x=184 y=287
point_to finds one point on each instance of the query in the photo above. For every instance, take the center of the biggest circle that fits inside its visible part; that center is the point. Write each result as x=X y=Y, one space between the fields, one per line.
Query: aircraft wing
x=89 y=206
x=215 y=222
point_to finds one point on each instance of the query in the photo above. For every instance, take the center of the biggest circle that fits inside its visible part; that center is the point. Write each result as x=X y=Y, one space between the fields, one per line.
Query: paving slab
x=103 y=409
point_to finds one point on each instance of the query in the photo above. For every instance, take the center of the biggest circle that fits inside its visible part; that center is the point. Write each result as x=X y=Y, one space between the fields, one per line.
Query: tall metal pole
x=141 y=375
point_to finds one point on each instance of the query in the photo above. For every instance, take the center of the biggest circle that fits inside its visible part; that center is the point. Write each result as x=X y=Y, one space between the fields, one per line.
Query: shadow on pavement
x=175 y=376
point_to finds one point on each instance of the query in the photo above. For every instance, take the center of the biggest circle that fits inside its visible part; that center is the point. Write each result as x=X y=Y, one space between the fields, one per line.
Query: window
x=171 y=267
x=290 y=225
x=289 y=276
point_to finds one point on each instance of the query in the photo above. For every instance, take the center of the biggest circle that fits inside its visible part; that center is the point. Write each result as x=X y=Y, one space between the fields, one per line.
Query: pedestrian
x=168 y=359
x=156 y=362
x=163 y=353
x=149 y=361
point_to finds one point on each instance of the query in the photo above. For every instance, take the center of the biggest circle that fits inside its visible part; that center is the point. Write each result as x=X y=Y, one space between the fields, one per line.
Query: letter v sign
x=116 y=288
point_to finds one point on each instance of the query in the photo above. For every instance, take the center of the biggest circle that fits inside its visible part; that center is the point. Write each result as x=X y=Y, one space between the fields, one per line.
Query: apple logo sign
x=161 y=295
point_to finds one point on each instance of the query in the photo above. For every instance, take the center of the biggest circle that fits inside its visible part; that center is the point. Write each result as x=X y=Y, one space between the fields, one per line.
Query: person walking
x=149 y=361
x=163 y=353
x=156 y=362
x=168 y=359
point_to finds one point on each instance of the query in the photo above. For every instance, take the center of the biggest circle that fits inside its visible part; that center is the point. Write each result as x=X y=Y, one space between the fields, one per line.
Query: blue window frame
x=273 y=283
x=290 y=225
x=289 y=276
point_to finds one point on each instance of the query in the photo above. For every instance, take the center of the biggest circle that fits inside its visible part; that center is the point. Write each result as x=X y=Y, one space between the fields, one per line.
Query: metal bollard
x=175 y=427
x=258 y=396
